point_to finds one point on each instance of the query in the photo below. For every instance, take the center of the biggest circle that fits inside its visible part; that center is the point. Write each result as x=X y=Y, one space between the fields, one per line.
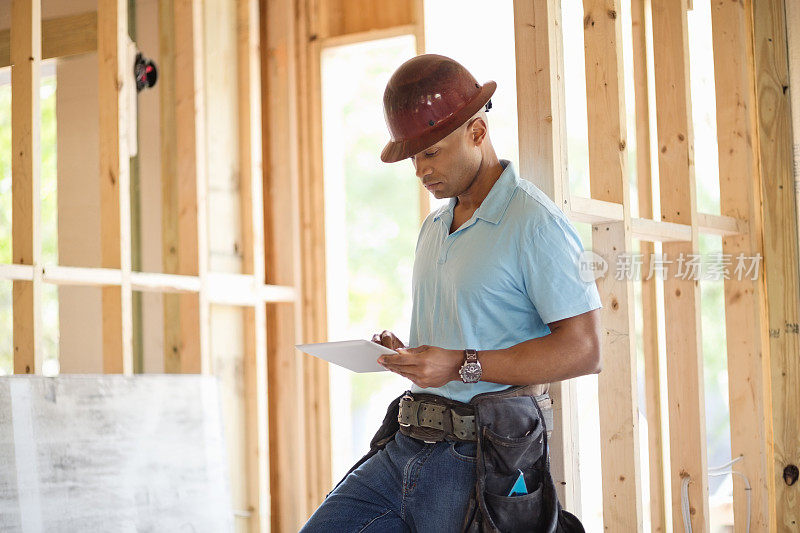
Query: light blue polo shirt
x=499 y=279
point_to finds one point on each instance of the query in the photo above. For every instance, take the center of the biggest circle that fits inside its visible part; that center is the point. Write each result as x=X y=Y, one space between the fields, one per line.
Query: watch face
x=471 y=372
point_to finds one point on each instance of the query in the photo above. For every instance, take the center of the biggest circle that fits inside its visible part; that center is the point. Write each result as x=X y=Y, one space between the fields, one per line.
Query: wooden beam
x=617 y=390
x=252 y=246
x=594 y=211
x=169 y=181
x=745 y=305
x=681 y=296
x=543 y=160
x=540 y=97
x=190 y=151
x=642 y=71
x=115 y=231
x=345 y=17
x=419 y=39
x=60 y=37
x=657 y=231
x=223 y=288
x=369 y=35
x=286 y=407
x=793 y=46
x=26 y=56
x=313 y=263
x=780 y=257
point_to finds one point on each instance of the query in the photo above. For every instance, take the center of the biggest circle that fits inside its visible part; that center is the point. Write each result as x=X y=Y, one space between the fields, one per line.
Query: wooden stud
x=60 y=37
x=780 y=253
x=169 y=182
x=543 y=159
x=26 y=59
x=115 y=232
x=191 y=183
x=681 y=296
x=252 y=209
x=286 y=407
x=793 y=46
x=312 y=220
x=649 y=287
x=617 y=390
x=745 y=310
x=419 y=37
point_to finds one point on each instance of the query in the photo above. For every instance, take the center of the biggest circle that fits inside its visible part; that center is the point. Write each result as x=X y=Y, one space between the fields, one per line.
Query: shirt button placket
x=448 y=242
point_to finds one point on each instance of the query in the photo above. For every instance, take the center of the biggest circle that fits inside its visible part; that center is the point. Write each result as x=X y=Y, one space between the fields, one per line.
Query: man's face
x=449 y=167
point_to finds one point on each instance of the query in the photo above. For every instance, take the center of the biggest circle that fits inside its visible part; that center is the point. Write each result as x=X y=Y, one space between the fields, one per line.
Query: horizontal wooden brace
x=370 y=35
x=223 y=289
x=61 y=37
x=598 y=211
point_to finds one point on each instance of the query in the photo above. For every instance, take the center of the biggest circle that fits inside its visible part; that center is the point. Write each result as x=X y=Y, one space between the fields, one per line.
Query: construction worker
x=497 y=302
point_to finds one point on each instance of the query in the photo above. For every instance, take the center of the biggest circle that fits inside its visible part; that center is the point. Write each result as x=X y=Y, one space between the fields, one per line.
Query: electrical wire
x=713 y=471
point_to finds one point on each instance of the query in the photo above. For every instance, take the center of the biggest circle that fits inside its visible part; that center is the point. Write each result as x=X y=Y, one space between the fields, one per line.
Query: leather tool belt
x=433 y=418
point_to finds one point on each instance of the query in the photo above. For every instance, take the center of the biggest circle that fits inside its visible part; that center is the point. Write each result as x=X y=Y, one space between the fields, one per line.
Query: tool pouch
x=512 y=437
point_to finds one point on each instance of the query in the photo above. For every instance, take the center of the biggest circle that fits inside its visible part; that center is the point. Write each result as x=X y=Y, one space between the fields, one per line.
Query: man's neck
x=487 y=175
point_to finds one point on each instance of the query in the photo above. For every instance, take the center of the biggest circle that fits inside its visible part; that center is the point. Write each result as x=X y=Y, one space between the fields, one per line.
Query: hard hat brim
x=401 y=149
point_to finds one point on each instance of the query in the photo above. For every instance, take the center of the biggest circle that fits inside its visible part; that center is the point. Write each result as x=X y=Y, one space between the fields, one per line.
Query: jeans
x=408 y=486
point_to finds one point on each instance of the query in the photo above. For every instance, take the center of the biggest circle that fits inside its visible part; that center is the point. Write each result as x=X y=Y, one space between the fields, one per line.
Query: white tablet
x=356 y=355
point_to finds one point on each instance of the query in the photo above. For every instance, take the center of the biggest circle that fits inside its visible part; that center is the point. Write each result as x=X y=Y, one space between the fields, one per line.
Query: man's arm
x=571 y=349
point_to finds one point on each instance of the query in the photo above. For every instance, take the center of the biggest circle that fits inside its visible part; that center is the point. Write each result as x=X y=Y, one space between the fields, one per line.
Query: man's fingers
x=387 y=339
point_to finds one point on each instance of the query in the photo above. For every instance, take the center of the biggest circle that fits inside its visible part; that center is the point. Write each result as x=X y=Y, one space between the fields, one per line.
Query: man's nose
x=423 y=170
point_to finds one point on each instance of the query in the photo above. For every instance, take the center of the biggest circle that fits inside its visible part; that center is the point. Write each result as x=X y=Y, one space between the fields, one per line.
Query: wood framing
x=312 y=242
x=286 y=405
x=685 y=384
x=191 y=180
x=745 y=310
x=419 y=38
x=26 y=57
x=780 y=252
x=608 y=149
x=543 y=159
x=642 y=71
x=115 y=231
x=252 y=209
x=169 y=183
x=347 y=17
x=60 y=37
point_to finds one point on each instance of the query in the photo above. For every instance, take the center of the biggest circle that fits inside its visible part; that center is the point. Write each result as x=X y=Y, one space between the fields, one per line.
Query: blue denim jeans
x=410 y=485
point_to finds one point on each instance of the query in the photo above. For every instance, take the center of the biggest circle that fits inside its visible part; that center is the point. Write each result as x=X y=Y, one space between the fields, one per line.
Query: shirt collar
x=494 y=205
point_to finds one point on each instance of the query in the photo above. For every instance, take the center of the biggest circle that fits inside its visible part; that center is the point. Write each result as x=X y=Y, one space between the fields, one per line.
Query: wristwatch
x=471 y=370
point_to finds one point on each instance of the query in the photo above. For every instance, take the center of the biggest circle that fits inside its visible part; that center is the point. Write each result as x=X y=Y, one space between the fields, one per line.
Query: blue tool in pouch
x=519 y=487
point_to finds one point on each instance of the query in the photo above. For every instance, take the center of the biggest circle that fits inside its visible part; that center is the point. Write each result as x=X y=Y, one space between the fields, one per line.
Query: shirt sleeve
x=551 y=272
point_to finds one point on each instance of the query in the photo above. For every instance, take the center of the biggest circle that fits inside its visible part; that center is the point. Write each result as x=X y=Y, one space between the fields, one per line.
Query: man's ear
x=478 y=131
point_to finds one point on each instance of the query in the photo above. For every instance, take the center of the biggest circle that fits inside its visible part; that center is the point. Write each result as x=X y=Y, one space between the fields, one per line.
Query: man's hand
x=388 y=339
x=426 y=366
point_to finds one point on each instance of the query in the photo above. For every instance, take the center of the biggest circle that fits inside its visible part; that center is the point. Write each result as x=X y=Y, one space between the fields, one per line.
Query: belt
x=432 y=418
x=438 y=417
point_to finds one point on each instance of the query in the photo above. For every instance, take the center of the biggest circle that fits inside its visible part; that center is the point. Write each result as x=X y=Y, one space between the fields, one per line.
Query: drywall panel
x=112 y=453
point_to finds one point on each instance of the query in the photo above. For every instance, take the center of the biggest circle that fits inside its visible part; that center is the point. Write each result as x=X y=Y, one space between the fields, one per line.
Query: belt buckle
x=410 y=399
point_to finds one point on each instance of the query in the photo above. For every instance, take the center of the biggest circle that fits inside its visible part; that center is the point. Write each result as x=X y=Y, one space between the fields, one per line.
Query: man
x=497 y=299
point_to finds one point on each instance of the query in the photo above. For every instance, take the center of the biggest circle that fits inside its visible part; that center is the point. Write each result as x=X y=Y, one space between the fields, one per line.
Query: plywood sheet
x=112 y=453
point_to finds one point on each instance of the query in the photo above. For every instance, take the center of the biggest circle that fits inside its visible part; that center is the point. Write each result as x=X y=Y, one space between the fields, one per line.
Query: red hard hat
x=427 y=98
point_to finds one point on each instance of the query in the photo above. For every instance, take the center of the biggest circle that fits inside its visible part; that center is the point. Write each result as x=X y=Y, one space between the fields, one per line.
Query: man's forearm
x=554 y=357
